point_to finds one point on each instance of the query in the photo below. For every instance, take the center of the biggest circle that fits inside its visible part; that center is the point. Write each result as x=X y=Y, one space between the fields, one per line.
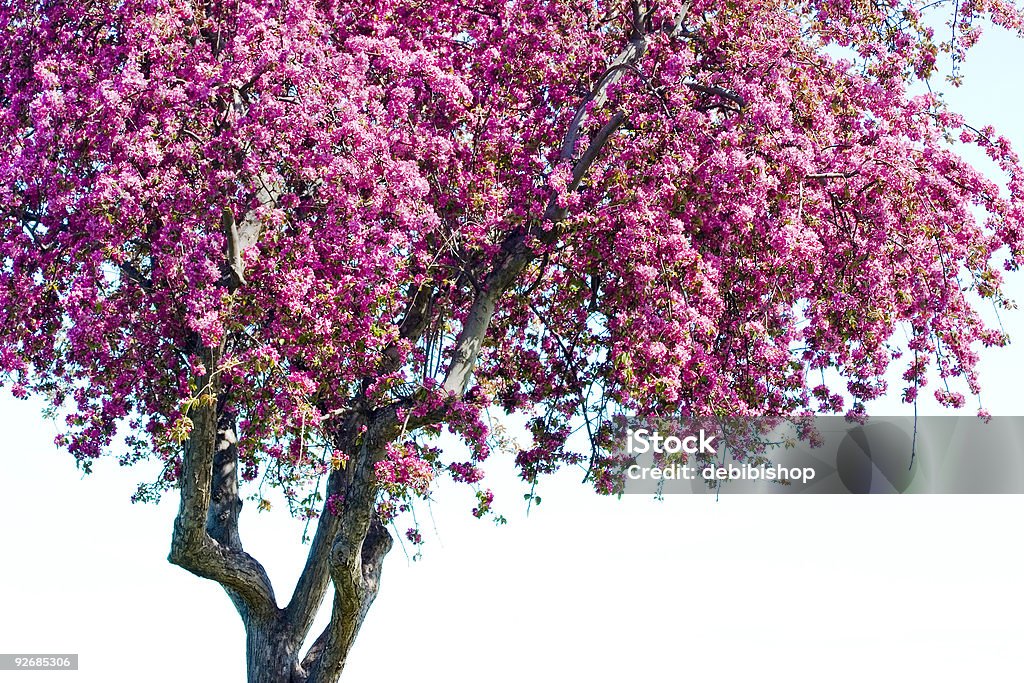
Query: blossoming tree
x=290 y=241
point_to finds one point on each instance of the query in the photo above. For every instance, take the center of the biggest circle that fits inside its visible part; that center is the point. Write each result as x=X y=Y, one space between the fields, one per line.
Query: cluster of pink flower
x=402 y=469
x=762 y=212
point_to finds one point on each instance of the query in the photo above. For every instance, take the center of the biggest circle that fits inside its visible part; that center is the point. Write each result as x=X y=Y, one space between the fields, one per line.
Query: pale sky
x=794 y=588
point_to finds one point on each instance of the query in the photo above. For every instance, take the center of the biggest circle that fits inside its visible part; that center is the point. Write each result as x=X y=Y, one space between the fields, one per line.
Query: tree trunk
x=348 y=548
x=270 y=656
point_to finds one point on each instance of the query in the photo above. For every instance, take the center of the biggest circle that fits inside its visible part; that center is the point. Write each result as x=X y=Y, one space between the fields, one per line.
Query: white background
x=794 y=588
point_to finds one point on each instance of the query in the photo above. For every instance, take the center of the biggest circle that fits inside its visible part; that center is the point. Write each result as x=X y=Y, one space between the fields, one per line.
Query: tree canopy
x=293 y=237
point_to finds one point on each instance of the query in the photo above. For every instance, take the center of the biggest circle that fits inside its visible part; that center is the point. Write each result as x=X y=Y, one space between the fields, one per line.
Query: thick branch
x=413 y=325
x=677 y=29
x=515 y=257
x=356 y=554
x=347 y=549
x=718 y=91
x=356 y=578
x=206 y=541
x=340 y=538
x=626 y=59
x=315 y=577
x=240 y=236
x=192 y=546
x=313 y=581
x=225 y=504
x=515 y=254
x=133 y=274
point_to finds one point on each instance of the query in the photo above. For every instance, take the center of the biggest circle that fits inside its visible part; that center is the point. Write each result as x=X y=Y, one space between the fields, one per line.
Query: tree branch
x=356 y=584
x=240 y=236
x=626 y=59
x=133 y=274
x=225 y=504
x=348 y=549
x=515 y=256
x=678 y=27
x=413 y=324
x=718 y=91
x=830 y=176
x=315 y=577
x=192 y=546
x=356 y=555
x=206 y=540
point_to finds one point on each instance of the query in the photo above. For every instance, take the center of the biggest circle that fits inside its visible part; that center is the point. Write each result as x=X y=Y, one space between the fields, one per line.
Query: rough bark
x=192 y=546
